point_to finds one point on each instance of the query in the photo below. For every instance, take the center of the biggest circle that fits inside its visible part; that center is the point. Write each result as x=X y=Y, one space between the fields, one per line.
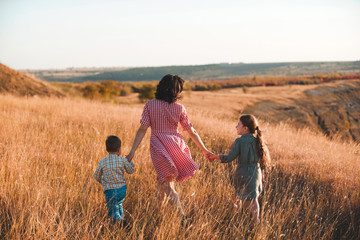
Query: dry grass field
x=50 y=147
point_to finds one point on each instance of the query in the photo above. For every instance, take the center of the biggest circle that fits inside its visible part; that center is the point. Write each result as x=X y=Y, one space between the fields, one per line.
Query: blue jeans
x=114 y=199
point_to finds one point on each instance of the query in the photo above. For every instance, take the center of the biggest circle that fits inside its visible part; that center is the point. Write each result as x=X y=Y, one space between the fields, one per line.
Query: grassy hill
x=17 y=83
x=53 y=145
x=333 y=109
x=199 y=72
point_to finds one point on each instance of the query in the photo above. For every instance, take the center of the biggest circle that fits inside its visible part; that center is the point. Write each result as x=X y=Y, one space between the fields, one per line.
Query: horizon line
x=177 y=65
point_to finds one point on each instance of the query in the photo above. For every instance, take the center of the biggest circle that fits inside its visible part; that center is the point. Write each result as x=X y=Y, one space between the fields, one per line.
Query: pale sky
x=41 y=34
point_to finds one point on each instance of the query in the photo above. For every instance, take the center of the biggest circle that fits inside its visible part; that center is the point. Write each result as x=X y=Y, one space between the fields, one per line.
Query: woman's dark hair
x=253 y=126
x=113 y=143
x=169 y=88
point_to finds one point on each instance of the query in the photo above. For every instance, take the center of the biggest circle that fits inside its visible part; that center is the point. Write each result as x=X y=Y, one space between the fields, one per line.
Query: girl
x=169 y=152
x=253 y=157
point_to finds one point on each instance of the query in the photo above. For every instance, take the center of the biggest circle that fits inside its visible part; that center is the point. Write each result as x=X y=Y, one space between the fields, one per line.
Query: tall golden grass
x=49 y=149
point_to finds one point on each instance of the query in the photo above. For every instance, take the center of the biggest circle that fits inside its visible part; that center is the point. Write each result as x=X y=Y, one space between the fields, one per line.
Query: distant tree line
x=110 y=90
x=212 y=71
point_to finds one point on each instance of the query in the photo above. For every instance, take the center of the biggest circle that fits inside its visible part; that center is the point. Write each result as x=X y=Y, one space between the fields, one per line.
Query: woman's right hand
x=138 y=138
x=130 y=156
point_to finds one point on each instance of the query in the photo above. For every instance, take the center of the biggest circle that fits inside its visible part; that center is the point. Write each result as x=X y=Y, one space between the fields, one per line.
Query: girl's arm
x=213 y=157
x=138 y=138
x=234 y=152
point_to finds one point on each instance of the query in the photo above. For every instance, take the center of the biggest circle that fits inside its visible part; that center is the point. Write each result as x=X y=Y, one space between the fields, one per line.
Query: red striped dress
x=169 y=152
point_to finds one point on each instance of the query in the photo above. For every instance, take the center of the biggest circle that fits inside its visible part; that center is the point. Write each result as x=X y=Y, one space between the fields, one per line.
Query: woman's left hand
x=207 y=154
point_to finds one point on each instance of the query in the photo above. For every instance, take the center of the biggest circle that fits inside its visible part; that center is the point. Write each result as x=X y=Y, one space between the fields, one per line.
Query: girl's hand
x=213 y=157
x=207 y=154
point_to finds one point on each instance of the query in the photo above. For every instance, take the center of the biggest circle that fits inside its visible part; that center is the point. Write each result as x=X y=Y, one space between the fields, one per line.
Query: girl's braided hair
x=251 y=122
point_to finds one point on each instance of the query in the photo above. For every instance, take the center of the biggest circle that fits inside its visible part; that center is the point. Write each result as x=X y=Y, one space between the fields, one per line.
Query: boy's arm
x=98 y=173
x=129 y=166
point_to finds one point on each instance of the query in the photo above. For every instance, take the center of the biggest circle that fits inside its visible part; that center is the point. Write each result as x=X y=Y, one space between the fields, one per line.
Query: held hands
x=130 y=156
x=207 y=154
x=210 y=156
x=213 y=157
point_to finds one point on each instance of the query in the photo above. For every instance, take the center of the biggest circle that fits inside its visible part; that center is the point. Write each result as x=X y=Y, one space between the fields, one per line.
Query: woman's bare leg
x=168 y=188
x=160 y=194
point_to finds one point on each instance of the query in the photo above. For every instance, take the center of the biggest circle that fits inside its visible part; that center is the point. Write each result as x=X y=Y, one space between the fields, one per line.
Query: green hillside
x=201 y=72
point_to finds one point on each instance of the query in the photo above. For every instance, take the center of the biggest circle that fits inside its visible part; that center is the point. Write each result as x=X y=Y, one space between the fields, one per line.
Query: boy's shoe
x=125 y=224
x=186 y=221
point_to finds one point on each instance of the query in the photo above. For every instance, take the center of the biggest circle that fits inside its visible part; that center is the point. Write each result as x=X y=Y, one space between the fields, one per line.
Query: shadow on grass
x=5 y=218
x=331 y=214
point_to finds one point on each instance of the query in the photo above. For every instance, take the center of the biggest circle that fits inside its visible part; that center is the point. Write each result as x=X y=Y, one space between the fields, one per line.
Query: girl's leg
x=169 y=188
x=237 y=202
x=253 y=206
x=255 y=210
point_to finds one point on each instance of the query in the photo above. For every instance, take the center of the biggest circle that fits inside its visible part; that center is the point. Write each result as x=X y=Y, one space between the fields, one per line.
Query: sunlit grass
x=49 y=149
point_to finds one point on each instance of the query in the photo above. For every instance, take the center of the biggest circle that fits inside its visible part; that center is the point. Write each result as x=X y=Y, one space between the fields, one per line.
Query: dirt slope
x=19 y=84
x=333 y=109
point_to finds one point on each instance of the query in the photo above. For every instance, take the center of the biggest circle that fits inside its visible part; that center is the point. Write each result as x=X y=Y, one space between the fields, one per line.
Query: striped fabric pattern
x=169 y=152
x=110 y=171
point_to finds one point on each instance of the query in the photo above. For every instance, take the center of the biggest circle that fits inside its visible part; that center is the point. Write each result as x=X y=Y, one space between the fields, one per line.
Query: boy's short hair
x=113 y=143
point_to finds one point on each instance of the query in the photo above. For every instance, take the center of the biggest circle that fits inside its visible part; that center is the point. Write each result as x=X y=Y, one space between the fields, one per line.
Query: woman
x=169 y=152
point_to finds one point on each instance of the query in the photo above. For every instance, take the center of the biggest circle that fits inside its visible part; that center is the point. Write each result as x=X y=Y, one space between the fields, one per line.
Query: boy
x=110 y=173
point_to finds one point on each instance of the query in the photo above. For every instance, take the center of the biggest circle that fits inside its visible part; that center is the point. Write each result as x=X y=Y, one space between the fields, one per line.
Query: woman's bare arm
x=138 y=138
x=196 y=138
